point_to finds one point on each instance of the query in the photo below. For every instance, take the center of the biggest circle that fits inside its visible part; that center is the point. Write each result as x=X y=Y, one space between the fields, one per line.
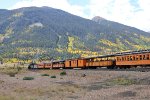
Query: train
x=120 y=60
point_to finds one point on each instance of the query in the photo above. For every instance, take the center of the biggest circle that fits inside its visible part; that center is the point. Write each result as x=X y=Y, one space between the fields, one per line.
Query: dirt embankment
x=23 y=84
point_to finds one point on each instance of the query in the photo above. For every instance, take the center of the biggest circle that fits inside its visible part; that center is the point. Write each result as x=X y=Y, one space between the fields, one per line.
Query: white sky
x=129 y=12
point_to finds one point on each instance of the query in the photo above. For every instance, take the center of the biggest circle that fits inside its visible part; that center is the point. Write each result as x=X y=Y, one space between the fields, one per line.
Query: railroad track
x=140 y=69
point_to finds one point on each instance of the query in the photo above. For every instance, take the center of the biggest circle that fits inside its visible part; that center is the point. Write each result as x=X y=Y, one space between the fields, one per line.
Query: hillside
x=33 y=32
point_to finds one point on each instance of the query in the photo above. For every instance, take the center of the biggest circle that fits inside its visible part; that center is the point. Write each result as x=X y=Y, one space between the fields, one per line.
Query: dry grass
x=6 y=97
x=12 y=71
x=50 y=91
x=9 y=71
x=122 y=81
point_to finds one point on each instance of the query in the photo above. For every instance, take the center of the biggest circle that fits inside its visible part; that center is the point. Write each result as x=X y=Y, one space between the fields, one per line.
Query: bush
x=28 y=78
x=63 y=73
x=53 y=76
x=12 y=74
x=19 y=68
x=44 y=75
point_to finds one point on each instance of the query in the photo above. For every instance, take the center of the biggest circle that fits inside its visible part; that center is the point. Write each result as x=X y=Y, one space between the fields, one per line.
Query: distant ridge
x=98 y=18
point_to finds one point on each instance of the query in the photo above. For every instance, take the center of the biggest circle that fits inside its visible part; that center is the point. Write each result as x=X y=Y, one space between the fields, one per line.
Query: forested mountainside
x=44 y=32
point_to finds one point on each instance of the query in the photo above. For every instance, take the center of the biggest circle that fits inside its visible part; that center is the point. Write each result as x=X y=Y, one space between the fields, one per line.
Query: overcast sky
x=134 y=13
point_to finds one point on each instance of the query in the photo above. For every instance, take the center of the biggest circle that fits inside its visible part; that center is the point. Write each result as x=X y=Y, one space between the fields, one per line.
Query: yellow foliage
x=8 y=31
x=70 y=43
x=17 y=14
x=21 y=41
x=107 y=42
x=145 y=38
x=59 y=49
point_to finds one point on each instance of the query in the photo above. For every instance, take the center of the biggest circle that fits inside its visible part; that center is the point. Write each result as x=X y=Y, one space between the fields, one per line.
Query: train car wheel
x=116 y=67
x=110 y=67
x=125 y=67
x=31 y=66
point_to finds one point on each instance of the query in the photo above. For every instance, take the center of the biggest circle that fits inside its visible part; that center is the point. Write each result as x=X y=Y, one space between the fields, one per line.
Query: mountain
x=129 y=38
x=117 y=26
x=44 y=32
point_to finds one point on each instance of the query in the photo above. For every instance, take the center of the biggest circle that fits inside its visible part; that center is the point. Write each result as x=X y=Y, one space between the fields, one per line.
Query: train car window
x=140 y=57
x=122 y=58
x=137 y=57
x=147 y=57
x=130 y=57
x=125 y=58
x=133 y=57
x=144 y=57
x=117 y=59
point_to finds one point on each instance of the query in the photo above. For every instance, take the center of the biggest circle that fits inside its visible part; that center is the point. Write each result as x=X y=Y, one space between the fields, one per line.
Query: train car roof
x=133 y=52
x=121 y=54
x=55 y=61
x=105 y=56
x=113 y=55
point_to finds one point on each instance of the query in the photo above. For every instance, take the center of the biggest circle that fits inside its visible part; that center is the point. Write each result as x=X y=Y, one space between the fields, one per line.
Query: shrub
x=12 y=74
x=28 y=78
x=19 y=68
x=123 y=81
x=63 y=73
x=44 y=75
x=53 y=76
